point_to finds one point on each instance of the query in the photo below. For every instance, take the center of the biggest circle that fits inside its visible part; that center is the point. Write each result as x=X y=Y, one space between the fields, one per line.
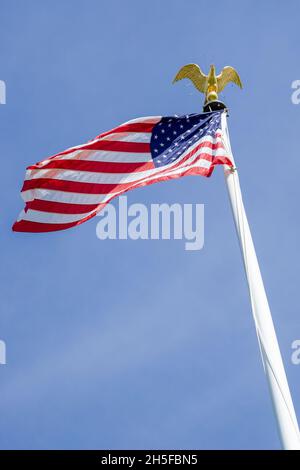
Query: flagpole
x=270 y=352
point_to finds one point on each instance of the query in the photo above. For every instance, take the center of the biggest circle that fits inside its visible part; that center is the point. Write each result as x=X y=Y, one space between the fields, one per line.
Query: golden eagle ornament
x=210 y=84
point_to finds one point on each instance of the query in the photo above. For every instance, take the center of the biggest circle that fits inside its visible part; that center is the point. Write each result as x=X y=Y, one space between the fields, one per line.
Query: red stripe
x=61 y=207
x=35 y=227
x=134 y=127
x=221 y=161
x=97 y=167
x=116 y=146
x=73 y=186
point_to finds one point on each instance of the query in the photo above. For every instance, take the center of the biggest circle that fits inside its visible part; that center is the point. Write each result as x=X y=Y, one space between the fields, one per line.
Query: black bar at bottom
x=137 y=458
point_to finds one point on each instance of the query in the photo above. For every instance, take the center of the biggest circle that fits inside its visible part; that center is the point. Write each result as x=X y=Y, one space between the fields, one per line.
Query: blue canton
x=172 y=136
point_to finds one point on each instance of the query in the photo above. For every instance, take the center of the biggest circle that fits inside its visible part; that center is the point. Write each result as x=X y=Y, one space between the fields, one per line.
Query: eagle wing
x=194 y=73
x=228 y=74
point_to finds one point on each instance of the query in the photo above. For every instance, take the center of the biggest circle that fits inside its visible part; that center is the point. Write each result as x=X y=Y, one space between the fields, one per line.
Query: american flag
x=73 y=186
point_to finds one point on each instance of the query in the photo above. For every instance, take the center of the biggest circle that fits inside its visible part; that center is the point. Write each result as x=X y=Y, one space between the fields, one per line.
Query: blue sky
x=141 y=344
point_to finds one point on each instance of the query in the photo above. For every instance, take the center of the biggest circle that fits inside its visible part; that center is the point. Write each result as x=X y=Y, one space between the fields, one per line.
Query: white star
x=162 y=131
x=168 y=138
x=181 y=126
x=156 y=136
x=155 y=150
x=176 y=144
x=174 y=132
x=162 y=145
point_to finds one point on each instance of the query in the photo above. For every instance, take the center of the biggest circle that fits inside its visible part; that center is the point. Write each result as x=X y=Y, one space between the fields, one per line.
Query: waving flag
x=71 y=187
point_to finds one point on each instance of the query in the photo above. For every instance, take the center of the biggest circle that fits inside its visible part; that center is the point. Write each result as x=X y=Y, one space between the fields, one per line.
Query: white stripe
x=202 y=163
x=51 y=217
x=88 y=176
x=143 y=137
x=66 y=197
x=150 y=119
x=104 y=156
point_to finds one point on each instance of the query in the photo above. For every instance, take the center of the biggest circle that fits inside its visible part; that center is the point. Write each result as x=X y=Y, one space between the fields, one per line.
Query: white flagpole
x=270 y=352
